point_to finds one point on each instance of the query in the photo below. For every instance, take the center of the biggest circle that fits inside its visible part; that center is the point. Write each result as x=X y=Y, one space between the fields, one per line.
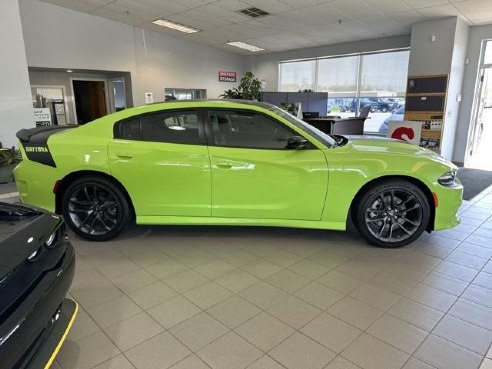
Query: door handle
x=224 y=165
x=124 y=155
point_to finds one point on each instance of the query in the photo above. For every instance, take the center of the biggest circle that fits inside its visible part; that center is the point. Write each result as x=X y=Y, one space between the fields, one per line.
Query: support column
x=16 y=110
x=439 y=47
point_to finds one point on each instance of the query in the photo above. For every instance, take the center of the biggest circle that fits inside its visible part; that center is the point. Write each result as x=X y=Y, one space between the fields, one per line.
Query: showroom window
x=354 y=81
x=298 y=76
x=249 y=130
x=339 y=77
x=171 y=127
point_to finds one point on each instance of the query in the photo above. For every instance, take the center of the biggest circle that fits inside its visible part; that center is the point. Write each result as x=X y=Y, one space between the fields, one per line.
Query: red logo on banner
x=403 y=133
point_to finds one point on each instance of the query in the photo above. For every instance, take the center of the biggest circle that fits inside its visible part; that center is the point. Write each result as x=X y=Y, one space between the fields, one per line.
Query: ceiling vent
x=254 y=12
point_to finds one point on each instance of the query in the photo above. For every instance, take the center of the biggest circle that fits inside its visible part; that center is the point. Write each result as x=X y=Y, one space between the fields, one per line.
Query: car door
x=254 y=175
x=162 y=160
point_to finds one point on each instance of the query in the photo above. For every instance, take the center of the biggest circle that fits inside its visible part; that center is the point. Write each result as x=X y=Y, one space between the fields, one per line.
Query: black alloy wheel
x=95 y=208
x=392 y=214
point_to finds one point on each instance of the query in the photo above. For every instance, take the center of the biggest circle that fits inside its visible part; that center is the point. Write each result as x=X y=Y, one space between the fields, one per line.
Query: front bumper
x=54 y=336
x=449 y=202
x=39 y=324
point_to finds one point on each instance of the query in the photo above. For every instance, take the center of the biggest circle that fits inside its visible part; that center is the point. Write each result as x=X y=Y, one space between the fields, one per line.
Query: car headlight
x=51 y=240
x=33 y=255
x=448 y=179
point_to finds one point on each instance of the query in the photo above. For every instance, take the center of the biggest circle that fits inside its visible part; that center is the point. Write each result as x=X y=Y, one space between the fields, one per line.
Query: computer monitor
x=310 y=114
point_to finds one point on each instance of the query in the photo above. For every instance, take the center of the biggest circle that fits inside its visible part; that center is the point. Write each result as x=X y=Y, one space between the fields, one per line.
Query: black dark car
x=37 y=265
x=376 y=104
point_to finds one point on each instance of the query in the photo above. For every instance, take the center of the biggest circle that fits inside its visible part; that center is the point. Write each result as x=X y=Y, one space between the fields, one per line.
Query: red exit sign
x=225 y=76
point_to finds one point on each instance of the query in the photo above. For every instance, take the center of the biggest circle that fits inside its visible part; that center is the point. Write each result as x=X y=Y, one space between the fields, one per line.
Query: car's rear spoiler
x=39 y=135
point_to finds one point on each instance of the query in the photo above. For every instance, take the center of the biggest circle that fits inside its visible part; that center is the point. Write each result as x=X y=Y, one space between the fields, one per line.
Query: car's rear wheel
x=95 y=208
x=392 y=213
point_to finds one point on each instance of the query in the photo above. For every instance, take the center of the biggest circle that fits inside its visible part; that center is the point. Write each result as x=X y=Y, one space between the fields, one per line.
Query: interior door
x=162 y=160
x=255 y=176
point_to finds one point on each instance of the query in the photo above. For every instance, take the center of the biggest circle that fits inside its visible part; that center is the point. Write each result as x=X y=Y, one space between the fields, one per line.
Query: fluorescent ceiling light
x=245 y=46
x=175 y=26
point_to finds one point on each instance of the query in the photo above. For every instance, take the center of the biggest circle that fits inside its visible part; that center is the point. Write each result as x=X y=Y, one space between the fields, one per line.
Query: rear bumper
x=39 y=325
x=35 y=183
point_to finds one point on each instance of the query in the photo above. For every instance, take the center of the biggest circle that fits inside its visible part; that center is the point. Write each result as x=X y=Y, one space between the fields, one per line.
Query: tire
x=384 y=110
x=391 y=214
x=95 y=208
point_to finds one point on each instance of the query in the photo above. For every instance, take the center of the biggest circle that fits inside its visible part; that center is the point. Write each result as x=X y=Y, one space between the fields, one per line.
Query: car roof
x=260 y=104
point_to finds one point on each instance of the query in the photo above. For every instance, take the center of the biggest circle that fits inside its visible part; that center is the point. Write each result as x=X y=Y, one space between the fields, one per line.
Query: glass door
x=117 y=94
x=479 y=149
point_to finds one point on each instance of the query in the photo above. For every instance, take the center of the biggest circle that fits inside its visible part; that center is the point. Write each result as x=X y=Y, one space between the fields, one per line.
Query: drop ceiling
x=292 y=24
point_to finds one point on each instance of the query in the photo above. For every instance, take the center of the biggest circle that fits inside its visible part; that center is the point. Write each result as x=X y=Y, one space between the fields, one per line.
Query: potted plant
x=9 y=158
x=249 y=88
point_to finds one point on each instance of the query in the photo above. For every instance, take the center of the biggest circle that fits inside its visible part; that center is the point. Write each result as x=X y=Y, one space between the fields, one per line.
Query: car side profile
x=37 y=265
x=233 y=163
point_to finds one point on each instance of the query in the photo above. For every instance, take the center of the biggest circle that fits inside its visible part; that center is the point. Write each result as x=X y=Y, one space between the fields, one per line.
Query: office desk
x=336 y=125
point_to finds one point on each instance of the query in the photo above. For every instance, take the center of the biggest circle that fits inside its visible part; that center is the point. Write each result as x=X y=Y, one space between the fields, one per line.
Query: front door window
x=247 y=129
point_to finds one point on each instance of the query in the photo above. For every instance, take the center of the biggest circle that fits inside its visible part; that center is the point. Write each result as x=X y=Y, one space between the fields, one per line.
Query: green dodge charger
x=233 y=163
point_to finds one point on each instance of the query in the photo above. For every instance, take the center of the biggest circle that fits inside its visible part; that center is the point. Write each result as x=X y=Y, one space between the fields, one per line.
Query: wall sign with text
x=225 y=76
x=42 y=116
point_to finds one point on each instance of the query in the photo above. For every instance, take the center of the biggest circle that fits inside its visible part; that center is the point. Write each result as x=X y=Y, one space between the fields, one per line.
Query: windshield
x=316 y=133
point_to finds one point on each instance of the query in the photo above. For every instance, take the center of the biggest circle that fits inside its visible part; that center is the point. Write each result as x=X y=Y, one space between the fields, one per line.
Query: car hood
x=22 y=230
x=367 y=145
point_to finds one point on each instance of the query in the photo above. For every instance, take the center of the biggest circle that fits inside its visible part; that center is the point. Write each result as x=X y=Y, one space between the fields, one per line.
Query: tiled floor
x=265 y=298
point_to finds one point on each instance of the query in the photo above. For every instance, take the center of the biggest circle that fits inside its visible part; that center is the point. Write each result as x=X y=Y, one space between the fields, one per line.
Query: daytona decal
x=39 y=153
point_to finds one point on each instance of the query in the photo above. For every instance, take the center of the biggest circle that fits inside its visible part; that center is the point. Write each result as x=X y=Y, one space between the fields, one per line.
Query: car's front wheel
x=95 y=208
x=392 y=213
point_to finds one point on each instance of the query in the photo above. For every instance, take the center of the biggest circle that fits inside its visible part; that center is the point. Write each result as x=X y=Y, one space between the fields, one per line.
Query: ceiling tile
x=195 y=18
x=406 y=18
x=439 y=11
x=217 y=12
x=388 y=7
x=85 y=6
x=124 y=14
x=475 y=9
x=232 y=5
x=170 y=7
x=418 y=4
x=355 y=9
x=319 y=14
x=298 y=4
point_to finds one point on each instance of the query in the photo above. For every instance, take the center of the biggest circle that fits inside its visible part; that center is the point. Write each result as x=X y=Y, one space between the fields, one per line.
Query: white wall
x=476 y=36
x=265 y=66
x=56 y=37
x=15 y=94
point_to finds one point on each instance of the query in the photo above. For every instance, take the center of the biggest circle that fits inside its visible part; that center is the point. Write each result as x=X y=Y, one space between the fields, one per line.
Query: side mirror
x=296 y=143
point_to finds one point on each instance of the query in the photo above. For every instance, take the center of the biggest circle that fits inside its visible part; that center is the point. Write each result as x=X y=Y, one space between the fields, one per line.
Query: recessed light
x=176 y=26
x=69 y=71
x=245 y=46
